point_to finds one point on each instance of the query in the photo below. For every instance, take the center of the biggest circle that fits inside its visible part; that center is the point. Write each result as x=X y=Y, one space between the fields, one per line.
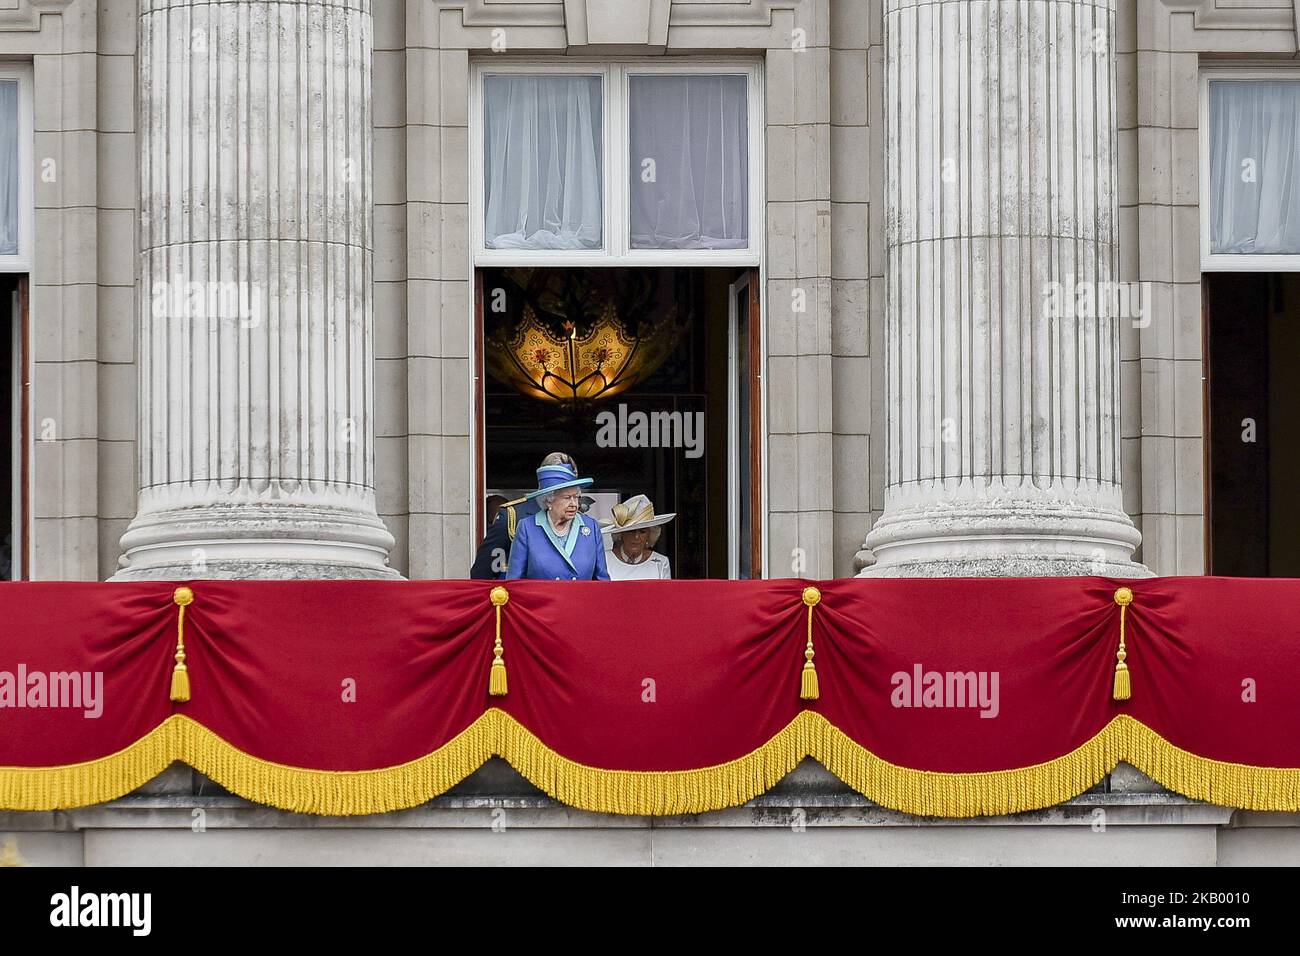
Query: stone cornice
x=24 y=16
x=1215 y=15
x=502 y=13
x=755 y=13
x=552 y=13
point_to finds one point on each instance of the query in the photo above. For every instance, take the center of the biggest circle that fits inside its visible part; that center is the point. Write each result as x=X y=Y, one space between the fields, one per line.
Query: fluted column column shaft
x=1003 y=418
x=256 y=309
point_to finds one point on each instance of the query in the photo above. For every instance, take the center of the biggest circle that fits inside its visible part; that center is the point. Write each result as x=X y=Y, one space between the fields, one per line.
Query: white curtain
x=542 y=162
x=9 y=168
x=694 y=195
x=1255 y=166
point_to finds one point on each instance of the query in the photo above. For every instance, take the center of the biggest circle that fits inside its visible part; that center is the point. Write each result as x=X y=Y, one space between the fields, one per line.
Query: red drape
x=661 y=676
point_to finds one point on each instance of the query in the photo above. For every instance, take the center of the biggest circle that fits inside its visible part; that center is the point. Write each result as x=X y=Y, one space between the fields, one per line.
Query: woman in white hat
x=634 y=531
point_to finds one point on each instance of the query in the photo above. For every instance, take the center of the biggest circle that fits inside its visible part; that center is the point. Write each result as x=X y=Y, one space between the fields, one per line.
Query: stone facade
x=119 y=415
x=824 y=185
x=824 y=182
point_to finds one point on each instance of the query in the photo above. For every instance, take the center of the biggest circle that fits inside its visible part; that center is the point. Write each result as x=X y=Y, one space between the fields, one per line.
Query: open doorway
x=649 y=378
x=13 y=416
x=1253 y=395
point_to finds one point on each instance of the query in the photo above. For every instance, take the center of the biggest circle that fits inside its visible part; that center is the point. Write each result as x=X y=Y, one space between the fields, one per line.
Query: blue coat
x=535 y=555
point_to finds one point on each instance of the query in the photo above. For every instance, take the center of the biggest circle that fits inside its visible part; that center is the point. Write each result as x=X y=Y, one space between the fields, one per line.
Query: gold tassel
x=1123 y=690
x=497 y=686
x=808 y=689
x=180 y=673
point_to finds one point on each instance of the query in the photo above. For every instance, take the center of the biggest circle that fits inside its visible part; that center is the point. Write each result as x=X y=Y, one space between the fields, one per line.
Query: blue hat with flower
x=555 y=477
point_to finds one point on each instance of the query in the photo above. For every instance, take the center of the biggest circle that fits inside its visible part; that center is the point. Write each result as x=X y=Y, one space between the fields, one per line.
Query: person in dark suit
x=493 y=554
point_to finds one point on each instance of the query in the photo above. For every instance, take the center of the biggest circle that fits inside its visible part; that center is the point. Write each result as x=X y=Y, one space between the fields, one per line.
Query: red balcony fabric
x=657 y=697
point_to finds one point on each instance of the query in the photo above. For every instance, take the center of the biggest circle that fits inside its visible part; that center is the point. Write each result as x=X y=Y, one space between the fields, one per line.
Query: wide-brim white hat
x=634 y=514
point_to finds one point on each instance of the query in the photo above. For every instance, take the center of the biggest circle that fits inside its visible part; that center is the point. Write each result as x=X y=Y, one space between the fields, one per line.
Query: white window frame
x=616 y=213
x=22 y=260
x=1230 y=261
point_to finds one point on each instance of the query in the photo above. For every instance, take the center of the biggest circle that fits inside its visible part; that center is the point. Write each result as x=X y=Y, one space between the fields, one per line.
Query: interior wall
x=1254 y=423
x=1284 y=432
x=10 y=534
x=716 y=306
x=1237 y=310
x=521 y=429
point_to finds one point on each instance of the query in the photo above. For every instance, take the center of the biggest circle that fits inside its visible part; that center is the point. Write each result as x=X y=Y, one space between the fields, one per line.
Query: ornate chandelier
x=588 y=351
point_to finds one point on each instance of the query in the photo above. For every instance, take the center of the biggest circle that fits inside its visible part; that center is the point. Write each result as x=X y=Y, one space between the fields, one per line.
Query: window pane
x=689 y=162
x=1255 y=166
x=542 y=168
x=9 y=172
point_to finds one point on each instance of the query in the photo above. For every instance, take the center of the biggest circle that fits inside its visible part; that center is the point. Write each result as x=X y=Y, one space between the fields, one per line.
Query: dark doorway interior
x=1253 y=367
x=690 y=379
x=10 y=455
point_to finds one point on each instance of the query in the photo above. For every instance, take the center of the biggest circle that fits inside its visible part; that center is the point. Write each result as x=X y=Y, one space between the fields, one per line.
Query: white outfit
x=654 y=568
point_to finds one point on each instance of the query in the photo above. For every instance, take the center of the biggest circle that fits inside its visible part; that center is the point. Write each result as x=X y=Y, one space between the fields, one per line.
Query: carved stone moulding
x=617 y=24
x=1223 y=26
x=24 y=16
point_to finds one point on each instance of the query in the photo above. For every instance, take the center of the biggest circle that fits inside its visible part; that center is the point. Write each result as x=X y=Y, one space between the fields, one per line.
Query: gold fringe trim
x=650 y=793
x=999 y=792
x=654 y=792
x=95 y=781
x=302 y=790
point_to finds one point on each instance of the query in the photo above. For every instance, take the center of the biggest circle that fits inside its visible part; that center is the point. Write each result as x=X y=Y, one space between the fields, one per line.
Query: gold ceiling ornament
x=576 y=366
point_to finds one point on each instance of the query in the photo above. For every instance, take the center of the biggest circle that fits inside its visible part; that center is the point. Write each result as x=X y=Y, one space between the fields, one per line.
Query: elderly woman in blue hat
x=559 y=543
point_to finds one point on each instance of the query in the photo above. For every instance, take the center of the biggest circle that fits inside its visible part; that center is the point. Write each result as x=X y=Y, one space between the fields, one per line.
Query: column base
x=258 y=571
x=1010 y=566
x=256 y=540
x=990 y=529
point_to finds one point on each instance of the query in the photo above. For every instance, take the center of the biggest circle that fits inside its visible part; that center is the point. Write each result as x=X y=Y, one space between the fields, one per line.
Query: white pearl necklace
x=622 y=556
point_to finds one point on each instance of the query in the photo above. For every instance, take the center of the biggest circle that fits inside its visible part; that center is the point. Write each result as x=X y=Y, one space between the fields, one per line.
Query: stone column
x=256 y=310
x=1003 y=415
